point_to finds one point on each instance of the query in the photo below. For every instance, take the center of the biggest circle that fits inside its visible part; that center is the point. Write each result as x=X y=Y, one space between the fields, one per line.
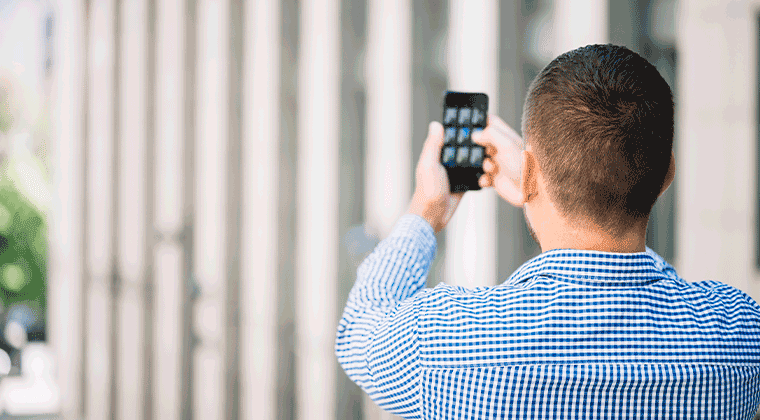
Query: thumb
x=434 y=142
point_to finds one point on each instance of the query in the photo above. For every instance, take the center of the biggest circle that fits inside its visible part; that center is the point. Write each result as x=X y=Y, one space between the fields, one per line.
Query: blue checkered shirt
x=571 y=334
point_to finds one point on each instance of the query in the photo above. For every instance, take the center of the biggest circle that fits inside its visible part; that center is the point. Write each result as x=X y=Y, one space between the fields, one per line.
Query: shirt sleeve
x=377 y=341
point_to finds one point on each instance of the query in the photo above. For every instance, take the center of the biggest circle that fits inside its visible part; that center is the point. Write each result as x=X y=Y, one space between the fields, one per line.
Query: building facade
x=220 y=168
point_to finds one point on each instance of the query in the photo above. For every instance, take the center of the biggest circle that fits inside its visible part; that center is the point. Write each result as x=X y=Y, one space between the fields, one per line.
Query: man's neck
x=592 y=238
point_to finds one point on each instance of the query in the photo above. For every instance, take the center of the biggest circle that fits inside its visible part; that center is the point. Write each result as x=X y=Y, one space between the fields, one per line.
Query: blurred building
x=220 y=168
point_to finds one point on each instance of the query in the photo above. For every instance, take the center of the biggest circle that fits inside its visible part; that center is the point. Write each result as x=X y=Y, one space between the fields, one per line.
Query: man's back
x=571 y=334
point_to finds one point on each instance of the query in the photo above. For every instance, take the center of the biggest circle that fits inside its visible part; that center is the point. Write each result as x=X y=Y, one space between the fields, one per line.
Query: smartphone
x=463 y=115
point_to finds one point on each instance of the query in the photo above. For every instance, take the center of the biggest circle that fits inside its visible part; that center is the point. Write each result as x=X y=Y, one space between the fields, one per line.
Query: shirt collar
x=580 y=266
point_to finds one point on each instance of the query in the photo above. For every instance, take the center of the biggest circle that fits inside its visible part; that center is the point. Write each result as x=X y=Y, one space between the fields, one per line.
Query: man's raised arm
x=377 y=341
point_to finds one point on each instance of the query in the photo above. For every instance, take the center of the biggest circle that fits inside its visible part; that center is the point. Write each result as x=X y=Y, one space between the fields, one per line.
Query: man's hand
x=432 y=198
x=503 y=169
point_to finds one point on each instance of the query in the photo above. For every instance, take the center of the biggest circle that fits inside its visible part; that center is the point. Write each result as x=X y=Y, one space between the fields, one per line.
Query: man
x=598 y=325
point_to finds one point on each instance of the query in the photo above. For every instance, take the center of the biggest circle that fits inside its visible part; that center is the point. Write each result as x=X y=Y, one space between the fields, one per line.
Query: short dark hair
x=600 y=120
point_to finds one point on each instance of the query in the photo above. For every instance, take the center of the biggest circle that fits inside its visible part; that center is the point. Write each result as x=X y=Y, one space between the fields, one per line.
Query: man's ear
x=670 y=175
x=529 y=178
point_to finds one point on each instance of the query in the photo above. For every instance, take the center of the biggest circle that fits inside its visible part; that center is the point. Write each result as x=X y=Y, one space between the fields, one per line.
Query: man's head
x=599 y=121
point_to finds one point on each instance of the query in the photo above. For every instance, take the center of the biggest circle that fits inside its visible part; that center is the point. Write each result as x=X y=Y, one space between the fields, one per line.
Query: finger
x=434 y=141
x=495 y=121
x=481 y=137
x=505 y=130
x=489 y=166
x=484 y=138
x=485 y=181
x=510 y=191
x=491 y=151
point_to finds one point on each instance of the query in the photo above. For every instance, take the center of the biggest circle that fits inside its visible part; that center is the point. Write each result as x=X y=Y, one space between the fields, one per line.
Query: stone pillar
x=100 y=209
x=65 y=300
x=717 y=142
x=209 y=243
x=578 y=23
x=261 y=140
x=388 y=68
x=473 y=57
x=169 y=205
x=389 y=90
x=132 y=209
x=317 y=208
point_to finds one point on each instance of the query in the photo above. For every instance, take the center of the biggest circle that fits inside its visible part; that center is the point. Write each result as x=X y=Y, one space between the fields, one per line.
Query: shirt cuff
x=419 y=230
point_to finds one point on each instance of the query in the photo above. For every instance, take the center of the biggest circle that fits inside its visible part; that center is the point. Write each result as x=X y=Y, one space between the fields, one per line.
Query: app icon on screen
x=476 y=156
x=448 y=156
x=451 y=116
x=464 y=116
x=477 y=116
x=464 y=135
x=451 y=134
x=462 y=155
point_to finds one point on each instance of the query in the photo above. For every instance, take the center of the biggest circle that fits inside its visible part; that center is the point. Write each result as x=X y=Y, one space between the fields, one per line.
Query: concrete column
x=317 y=208
x=513 y=241
x=209 y=252
x=388 y=68
x=100 y=193
x=169 y=202
x=473 y=57
x=717 y=142
x=261 y=140
x=64 y=317
x=578 y=23
x=132 y=198
x=389 y=90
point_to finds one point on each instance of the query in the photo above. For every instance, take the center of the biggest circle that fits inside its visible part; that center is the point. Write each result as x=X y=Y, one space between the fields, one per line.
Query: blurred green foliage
x=23 y=248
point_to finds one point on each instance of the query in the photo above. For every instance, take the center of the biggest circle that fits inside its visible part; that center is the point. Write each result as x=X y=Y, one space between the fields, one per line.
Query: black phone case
x=463 y=113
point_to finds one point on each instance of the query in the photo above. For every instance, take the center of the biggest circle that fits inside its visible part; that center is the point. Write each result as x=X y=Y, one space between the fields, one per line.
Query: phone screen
x=463 y=115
